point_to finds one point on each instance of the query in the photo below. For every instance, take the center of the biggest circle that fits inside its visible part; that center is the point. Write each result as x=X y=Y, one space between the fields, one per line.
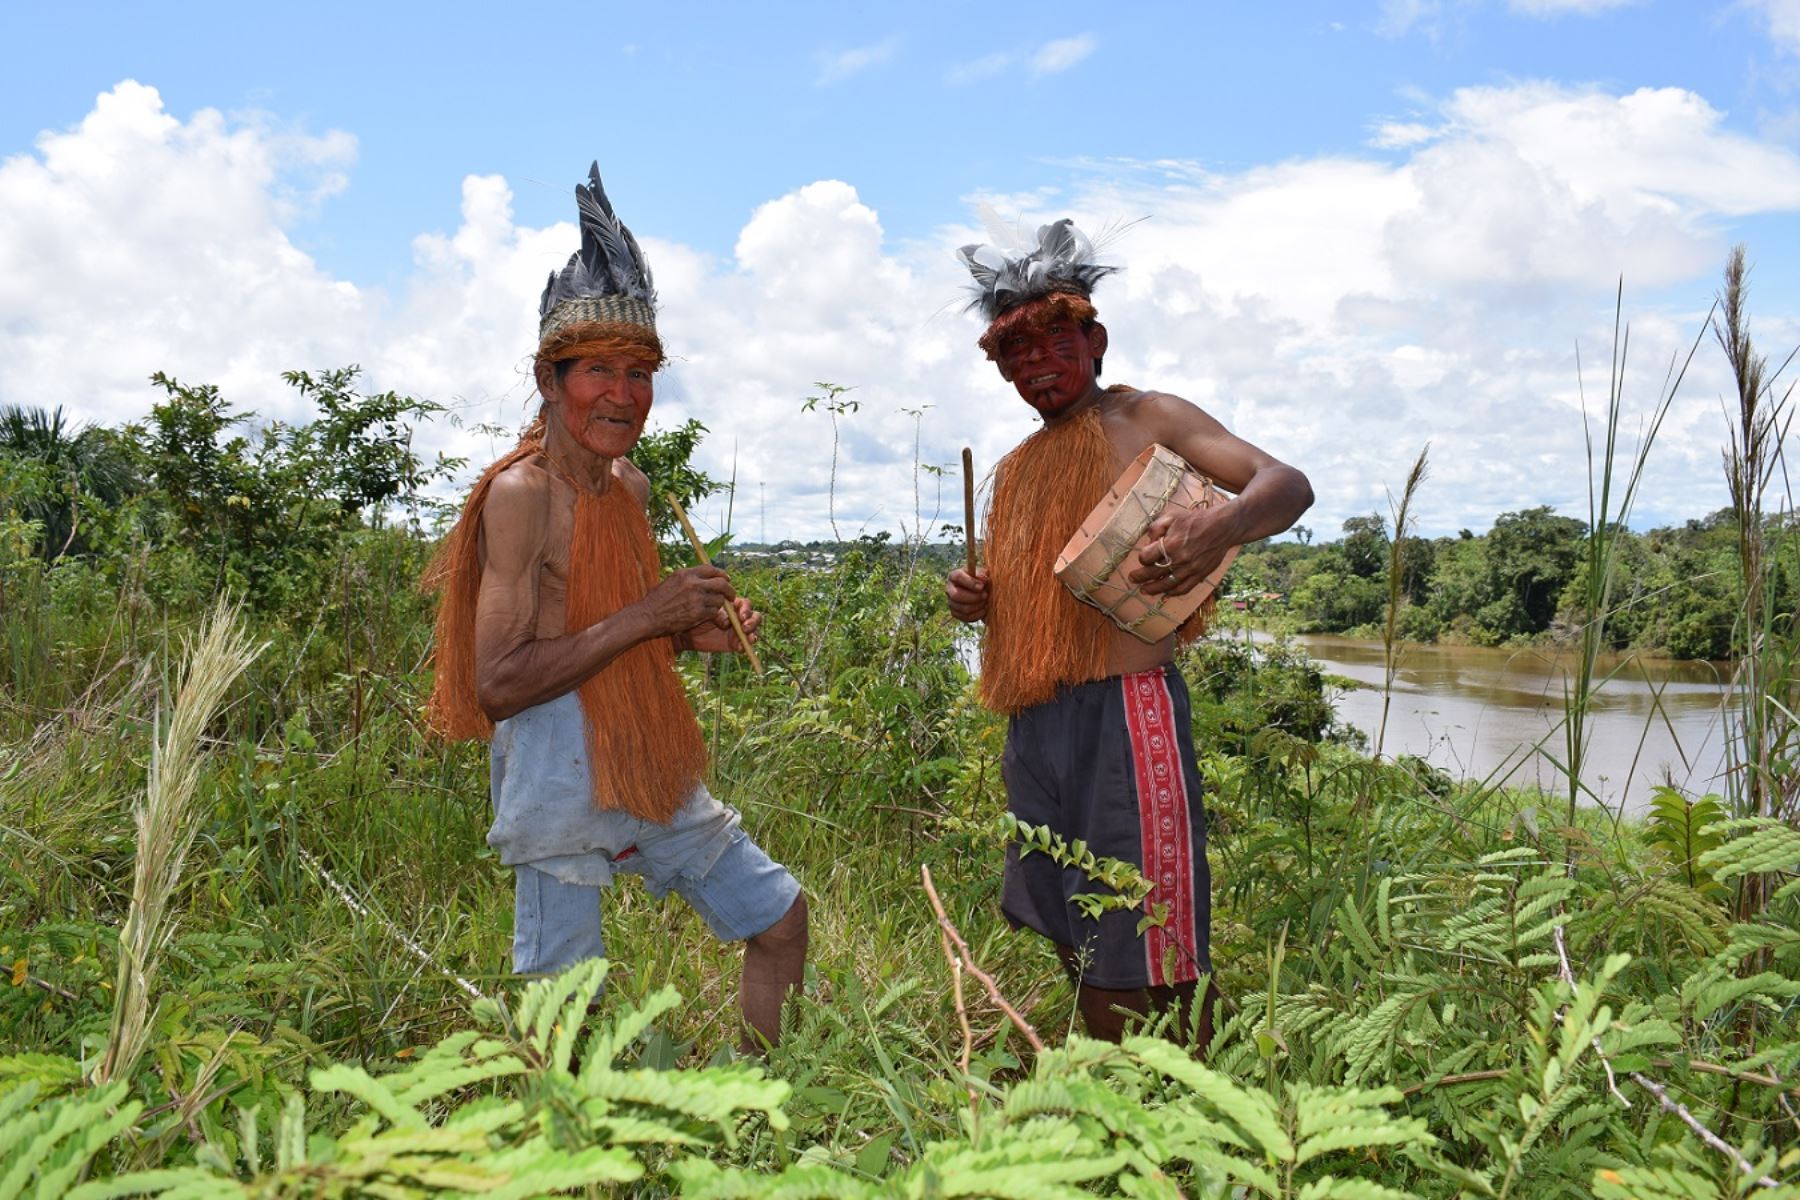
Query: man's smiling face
x=604 y=401
x=1051 y=363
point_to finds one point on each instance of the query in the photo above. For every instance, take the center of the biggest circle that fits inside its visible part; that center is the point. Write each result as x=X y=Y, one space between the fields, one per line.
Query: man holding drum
x=1099 y=746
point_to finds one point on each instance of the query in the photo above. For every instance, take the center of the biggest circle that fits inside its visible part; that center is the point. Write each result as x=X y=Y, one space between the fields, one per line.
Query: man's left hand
x=1181 y=548
x=717 y=636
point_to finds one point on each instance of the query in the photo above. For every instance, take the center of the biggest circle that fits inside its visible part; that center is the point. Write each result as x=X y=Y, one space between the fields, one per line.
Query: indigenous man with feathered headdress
x=556 y=641
x=1099 y=746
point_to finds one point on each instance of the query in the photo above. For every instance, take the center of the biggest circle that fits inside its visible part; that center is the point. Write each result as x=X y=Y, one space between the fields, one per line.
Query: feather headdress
x=607 y=281
x=1061 y=261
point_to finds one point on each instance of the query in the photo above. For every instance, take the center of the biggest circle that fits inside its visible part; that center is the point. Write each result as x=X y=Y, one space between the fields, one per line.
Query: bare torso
x=524 y=652
x=554 y=497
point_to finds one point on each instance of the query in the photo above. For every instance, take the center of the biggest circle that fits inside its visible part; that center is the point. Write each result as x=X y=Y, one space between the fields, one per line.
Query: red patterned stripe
x=1168 y=843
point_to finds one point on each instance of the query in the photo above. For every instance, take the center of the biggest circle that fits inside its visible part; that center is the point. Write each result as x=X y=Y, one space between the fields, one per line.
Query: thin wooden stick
x=1706 y=1135
x=969 y=506
x=968 y=961
x=1692 y=1064
x=700 y=553
x=962 y=1012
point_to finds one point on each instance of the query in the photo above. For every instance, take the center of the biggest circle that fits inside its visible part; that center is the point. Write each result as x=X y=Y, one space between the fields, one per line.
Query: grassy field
x=1377 y=925
x=253 y=943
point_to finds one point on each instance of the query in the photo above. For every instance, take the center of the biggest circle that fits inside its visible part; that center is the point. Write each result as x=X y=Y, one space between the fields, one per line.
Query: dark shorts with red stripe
x=1112 y=763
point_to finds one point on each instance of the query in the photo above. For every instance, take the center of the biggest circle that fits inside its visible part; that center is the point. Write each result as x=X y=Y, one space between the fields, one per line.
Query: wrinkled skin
x=604 y=402
x=524 y=656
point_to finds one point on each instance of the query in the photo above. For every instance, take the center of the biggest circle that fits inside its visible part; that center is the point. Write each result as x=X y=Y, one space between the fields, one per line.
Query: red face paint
x=1051 y=365
x=604 y=403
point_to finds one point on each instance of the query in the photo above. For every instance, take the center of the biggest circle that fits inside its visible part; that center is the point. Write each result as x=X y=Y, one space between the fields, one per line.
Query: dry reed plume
x=166 y=824
x=1396 y=581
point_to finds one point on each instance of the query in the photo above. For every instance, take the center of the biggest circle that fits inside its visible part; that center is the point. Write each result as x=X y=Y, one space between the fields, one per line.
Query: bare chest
x=553 y=572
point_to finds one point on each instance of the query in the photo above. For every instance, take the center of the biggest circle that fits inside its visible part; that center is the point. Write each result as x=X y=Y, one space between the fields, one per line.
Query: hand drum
x=1096 y=562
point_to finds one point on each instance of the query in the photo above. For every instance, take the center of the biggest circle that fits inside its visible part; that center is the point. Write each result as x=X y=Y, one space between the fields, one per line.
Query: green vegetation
x=1675 y=592
x=1517 y=582
x=252 y=943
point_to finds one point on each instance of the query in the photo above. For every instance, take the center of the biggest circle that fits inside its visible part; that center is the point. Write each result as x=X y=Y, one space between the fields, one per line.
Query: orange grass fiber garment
x=1039 y=637
x=646 y=753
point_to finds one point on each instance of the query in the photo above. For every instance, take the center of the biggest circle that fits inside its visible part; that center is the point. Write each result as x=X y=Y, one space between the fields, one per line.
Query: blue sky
x=704 y=111
x=1468 y=148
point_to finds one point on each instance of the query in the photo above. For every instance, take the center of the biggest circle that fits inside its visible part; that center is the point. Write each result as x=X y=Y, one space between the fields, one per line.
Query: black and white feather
x=610 y=267
x=1062 y=260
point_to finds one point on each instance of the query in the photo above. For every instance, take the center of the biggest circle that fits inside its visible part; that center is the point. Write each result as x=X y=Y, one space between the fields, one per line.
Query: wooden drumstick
x=969 y=506
x=700 y=553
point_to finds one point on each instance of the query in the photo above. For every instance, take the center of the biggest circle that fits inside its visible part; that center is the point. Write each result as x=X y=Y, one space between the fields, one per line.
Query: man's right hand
x=686 y=598
x=968 y=595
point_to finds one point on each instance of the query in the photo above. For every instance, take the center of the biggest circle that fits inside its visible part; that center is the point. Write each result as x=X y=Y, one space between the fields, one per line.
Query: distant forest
x=1515 y=583
x=260 y=512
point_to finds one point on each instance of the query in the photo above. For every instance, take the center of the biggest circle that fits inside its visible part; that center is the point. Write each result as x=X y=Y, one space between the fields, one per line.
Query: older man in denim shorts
x=557 y=637
x=564 y=852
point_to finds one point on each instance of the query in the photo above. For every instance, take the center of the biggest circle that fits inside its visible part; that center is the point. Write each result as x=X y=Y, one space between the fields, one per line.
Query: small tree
x=666 y=456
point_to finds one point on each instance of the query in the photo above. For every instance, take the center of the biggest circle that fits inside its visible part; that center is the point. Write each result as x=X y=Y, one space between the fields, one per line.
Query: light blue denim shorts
x=564 y=850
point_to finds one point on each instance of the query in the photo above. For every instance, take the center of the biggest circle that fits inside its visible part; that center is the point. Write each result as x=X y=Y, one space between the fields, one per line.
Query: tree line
x=259 y=509
x=1674 y=591
x=227 y=503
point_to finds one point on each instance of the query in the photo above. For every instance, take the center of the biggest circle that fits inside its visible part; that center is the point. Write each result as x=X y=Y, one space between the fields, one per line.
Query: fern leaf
x=1652 y=1183
x=575 y=1007
x=53 y=1073
x=353 y=1080
x=539 y=1170
x=1041 y=1159
x=1762 y=844
x=178 y=1183
x=69 y=1160
x=1331 y=1188
x=13 y=1126
x=547 y=1001
x=1365 y=1039
x=1149 y=1185
x=488 y=1115
x=453 y=1064
x=606 y=1043
x=716 y=1096
x=703 y=1180
x=1329 y=1119
x=1228 y=1166
x=43 y=1141
x=1252 y=1113
x=1707 y=992
x=1351 y=922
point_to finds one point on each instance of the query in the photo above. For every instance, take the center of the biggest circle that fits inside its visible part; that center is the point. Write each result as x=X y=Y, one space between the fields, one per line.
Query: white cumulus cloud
x=837 y=66
x=1339 y=310
x=1063 y=53
x=1557 y=8
x=136 y=242
x=1783 y=20
x=975 y=70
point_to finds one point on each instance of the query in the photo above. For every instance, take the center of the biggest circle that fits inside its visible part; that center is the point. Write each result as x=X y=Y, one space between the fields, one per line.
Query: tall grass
x=1765 y=675
x=167 y=820
x=1401 y=512
x=1614 y=477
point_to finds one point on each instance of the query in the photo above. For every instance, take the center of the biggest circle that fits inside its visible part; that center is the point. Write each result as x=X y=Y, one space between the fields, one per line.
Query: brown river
x=1479 y=713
